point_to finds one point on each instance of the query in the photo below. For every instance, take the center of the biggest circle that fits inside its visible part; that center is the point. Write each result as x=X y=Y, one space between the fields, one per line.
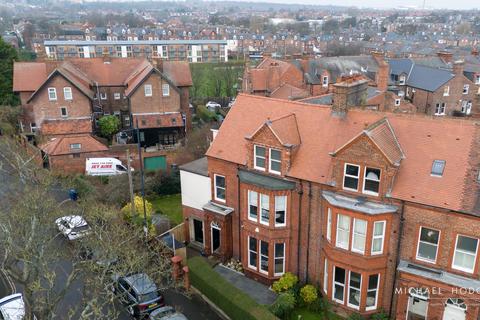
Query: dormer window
x=446 y=91
x=325 y=81
x=371 y=183
x=402 y=80
x=437 y=168
x=259 y=161
x=351 y=177
x=275 y=161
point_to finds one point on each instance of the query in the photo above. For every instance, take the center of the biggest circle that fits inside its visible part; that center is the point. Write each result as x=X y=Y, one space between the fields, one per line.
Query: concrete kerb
x=215 y=308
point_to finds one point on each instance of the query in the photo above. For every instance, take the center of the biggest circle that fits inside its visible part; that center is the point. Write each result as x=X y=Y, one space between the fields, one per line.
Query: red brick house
x=378 y=210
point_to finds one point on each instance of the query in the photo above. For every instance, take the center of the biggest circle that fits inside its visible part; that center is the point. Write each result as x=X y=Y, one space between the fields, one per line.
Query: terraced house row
x=379 y=210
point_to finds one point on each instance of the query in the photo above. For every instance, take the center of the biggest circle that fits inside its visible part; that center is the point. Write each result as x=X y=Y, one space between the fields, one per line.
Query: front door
x=455 y=309
x=198 y=231
x=215 y=238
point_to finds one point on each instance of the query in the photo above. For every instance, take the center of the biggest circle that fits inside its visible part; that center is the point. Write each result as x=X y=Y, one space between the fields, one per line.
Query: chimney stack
x=349 y=92
x=458 y=67
x=446 y=56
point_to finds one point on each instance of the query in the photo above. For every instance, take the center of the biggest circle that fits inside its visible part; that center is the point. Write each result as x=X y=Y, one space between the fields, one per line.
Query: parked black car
x=139 y=293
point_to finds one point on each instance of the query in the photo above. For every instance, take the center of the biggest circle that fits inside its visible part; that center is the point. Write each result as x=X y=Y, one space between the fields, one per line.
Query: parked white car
x=12 y=307
x=73 y=227
x=212 y=105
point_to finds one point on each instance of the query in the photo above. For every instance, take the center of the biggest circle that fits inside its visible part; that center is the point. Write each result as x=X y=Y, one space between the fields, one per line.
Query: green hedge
x=235 y=303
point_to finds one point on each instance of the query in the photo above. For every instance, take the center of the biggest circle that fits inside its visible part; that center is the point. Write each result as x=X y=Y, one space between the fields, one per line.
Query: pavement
x=257 y=291
x=193 y=307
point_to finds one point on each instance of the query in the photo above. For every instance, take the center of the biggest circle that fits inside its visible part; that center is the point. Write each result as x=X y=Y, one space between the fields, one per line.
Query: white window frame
x=329 y=224
x=441 y=106
x=356 y=234
x=116 y=96
x=325 y=276
x=67 y=93
x=469 y=253
x=446 y=91
x=350 y=176
x=337 y=244
x=397 y=102
x=255 y=156
x=73 y=146
x=418 y=245
x=271 y=160
x=284 y=210
x=263 y=256
x=262 y=202
x=250 y=193
x=344 y=285
x=325 y=81
x=54 y=92
x=251 y=266
x=61 y=112
x=466 y=89
x=165 y=89
x=276 y=274
x=374 y=307
x=402 y=79
x=147 y=89
x=376 y=237
x=356 y=289
x=215 y=188
x=365 y=178
x=103 y=95
x=477 y=79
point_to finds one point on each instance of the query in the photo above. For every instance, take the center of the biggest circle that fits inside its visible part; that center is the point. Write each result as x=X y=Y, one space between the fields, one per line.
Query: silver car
x=166 y=313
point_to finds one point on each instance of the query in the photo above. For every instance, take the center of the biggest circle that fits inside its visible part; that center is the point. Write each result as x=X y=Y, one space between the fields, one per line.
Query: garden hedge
x=236 y=304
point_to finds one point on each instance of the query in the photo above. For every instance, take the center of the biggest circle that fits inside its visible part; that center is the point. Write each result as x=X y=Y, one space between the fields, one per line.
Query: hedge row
x=235 y=303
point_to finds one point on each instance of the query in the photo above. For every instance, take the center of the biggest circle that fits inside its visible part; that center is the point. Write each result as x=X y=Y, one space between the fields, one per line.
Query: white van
x=104 y=167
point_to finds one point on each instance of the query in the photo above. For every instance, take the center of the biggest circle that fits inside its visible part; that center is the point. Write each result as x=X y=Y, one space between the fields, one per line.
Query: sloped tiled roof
x=287 y=91
x=381 y=133
x=422 y=139
x=286 y=129
x=28 y=76
x=62 y=145
x=178 y=72
x=54 y=127
x=157 y=120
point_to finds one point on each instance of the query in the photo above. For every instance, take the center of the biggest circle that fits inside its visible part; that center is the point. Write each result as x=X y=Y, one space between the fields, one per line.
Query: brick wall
x=139 y=103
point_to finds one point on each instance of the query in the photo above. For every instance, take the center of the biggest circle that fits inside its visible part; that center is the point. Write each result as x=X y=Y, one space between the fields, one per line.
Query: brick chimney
x=458 y=67
x=158 y=63
x=349 y=92
x=446 y=56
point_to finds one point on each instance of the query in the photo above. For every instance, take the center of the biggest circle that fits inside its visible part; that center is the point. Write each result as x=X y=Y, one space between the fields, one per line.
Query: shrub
x=321 y=306
x=308 y=294
x=81 y=185
x=380 y=316
x=162 y=183
x=109 y=125
x=284 y=305
x=355 y=316
x=205 y=114
x=235 y=303
x=285 y=283
x=127 y=209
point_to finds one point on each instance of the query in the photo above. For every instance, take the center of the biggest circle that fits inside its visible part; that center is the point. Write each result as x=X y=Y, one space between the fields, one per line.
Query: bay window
x=428 y=244
x=359 y=235
x=343 y=231
x=378 y=237
x=279 y=259
x=351 y=177
x=465 y=254
x=354 y=290
x=371 y=182
x=252 y=253
x=339 y=285
x=220 y=187
x=264 y=257
x=280 y=210
x=275 y=161
x=265 y=209
x=329 y=224
x=252 y=205
x=259 y=158
x=372 y=292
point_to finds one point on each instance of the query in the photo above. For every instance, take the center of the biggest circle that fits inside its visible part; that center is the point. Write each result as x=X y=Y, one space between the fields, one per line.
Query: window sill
x=419 y=259
x=464 y=271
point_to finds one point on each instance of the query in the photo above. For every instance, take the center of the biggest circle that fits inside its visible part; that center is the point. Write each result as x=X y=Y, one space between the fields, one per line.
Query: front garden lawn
x=169 y=205
x=305 y=314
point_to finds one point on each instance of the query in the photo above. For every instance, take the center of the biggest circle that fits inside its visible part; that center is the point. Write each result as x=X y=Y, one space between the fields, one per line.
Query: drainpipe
x=397 y=260
x=239 y=220
x=300 y=193
x=308 y=232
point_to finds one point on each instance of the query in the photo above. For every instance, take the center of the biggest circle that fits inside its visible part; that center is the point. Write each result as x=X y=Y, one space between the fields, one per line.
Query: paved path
x=257 y=291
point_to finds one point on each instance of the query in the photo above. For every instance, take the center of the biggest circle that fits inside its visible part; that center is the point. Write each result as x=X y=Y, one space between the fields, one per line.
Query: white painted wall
x=196 y=190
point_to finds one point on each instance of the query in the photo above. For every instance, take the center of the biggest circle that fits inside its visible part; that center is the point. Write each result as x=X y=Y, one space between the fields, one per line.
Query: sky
x=437 y=4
